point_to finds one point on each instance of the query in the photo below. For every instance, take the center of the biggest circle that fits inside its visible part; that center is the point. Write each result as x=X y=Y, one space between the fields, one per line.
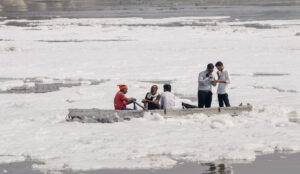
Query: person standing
x=167 y=100
x=152 y=98
x=205 y=82
x=223 y=80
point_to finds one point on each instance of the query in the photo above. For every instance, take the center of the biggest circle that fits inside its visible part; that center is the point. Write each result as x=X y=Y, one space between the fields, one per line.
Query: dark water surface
x=266 y=164
x=237 y=9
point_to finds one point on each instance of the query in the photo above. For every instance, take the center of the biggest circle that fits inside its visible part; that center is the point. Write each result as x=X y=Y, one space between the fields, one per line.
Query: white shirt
x=224 y=75
x=167 y=100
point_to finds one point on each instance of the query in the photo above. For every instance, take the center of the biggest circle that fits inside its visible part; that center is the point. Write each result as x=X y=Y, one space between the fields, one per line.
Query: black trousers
x=204 y=99
x=223 y=98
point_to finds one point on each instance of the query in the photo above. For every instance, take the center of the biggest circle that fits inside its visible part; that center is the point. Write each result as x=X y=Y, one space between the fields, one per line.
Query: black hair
x=210 y=66
x=219 y=63
x=167 y=87
x=154 y=86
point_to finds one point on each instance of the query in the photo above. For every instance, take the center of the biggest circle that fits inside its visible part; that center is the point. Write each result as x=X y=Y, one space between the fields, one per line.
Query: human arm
x=129 y=100
x=203 y=79
x=213 y=80
x=153 y=99
x=221 y=81
x=227 y=78
x=145 y=101
x=156 y=101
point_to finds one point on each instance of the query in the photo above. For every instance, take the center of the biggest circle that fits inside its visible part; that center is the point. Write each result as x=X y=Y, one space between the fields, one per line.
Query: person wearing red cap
x=121 y=100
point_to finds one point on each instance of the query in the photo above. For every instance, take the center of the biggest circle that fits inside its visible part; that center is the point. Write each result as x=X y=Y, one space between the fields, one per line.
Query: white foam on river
x=133 y=50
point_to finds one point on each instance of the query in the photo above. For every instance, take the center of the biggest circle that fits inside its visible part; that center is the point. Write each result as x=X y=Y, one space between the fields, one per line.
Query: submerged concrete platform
x=109 y=116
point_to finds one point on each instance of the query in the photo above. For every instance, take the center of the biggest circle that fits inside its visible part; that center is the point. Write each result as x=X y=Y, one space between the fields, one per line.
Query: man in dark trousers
x=205 y=82
x=223 y=80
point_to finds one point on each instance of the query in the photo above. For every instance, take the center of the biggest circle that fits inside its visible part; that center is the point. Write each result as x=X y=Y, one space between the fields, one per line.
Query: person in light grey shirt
x=167 y=99
x=205 y=82
x=223 y=81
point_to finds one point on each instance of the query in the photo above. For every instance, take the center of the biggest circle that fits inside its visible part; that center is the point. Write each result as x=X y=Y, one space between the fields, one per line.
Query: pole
x=136 y=103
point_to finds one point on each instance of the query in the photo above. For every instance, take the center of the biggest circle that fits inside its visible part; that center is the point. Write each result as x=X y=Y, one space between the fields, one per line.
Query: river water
x=237 y=9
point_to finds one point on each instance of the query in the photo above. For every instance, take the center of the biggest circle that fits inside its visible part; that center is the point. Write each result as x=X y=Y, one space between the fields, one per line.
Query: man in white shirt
x=167 y=100
x=223 y=80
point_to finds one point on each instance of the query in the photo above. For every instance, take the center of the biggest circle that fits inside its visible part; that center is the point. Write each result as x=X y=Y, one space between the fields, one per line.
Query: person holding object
x=205 y=82
x=121 y=101
x=223 y=80
x=152 y=98
x=167 y=100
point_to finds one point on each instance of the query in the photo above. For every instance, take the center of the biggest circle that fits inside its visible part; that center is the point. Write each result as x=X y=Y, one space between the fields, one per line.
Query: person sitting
x=152 y=98
x=167 y=100
x=121 y=101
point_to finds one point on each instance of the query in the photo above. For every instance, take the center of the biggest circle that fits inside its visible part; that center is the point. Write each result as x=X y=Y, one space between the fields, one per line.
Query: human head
x=220 y=65
x=210 y=68
x=167 y=87
x=123 y=88
x=154 y=89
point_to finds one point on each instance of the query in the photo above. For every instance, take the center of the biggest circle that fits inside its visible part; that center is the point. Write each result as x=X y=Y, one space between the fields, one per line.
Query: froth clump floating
x=13 y=49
